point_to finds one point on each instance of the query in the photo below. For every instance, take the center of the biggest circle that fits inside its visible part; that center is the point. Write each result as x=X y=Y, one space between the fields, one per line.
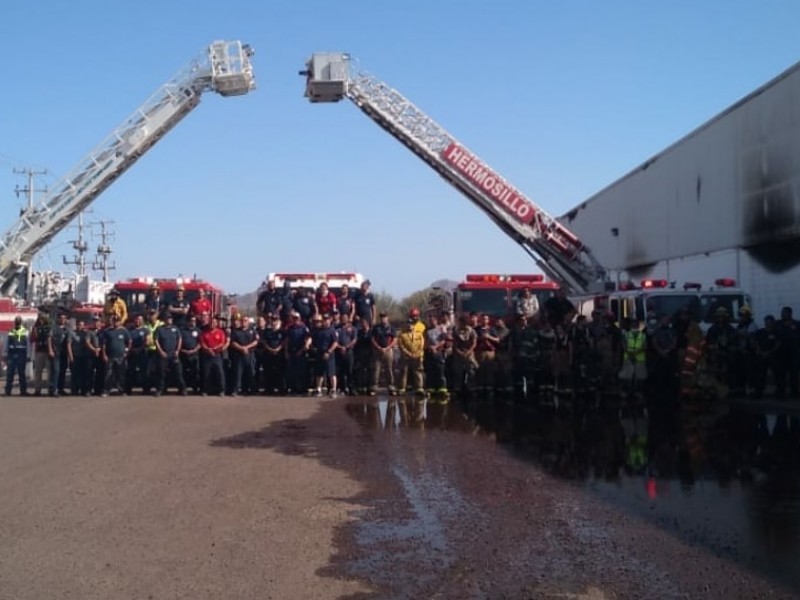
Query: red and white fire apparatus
x=224 y=68
x=558 y=252
x=135 y=292
x=496 y=295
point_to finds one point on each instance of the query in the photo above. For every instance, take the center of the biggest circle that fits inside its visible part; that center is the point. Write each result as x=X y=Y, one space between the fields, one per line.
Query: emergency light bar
x=654 y=283
x=725 y=282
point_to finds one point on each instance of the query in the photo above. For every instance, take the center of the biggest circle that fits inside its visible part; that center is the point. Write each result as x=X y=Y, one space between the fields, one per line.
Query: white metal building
x=724 y=201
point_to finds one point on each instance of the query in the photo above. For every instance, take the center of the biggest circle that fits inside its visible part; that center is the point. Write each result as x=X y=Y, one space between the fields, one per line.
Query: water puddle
x=723 y=477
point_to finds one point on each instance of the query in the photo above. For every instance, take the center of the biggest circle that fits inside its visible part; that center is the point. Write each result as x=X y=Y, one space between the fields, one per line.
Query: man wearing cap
x=179 y=308
x=153 y=300
x=115 y=306
x=271 y=341
x=364 y=302
x=383 y=339
x=16 y=357
x=168 y=345
x=323 y=346
x=243 y=343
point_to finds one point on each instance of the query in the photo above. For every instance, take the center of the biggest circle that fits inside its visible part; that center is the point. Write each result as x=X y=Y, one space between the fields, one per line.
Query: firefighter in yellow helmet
x=115 y=307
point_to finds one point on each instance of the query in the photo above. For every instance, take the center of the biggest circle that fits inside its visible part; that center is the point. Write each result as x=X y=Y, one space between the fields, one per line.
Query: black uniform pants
x=212 y=367
x=166 y=367
x=82 y=383
x=274 y=372
x=190 y=363
x=116 y=370
x=243 y=370
x=16 y=364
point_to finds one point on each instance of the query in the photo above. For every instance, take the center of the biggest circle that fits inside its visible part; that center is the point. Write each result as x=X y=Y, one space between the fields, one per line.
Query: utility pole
x=30 y=190
x=81 y=247
x=104 y=250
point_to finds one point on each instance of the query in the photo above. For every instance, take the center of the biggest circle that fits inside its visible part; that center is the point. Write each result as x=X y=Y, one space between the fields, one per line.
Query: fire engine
x=224 y=68
x=656 y=297
x=135 y=291
x=313 y=280
x=496 y=295
x=558 y=252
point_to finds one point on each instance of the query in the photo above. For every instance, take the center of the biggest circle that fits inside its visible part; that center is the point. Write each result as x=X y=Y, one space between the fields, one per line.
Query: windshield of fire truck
x=731 y=301
x=493 y=302
x=136 y=299
x=670 y=304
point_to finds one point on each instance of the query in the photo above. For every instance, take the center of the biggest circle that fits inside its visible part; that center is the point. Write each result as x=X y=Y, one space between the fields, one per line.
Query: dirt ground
x=131 y=498
x=254 y=498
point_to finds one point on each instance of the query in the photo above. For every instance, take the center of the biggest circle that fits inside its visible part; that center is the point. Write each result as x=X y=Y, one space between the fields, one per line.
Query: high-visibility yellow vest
x=151 y=334
x=634 y=345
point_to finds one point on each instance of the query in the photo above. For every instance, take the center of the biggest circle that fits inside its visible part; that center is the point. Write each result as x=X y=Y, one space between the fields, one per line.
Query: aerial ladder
x=224 y=68
x=556 y=250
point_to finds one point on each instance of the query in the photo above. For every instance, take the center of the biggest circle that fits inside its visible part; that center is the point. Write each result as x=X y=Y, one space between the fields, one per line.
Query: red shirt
x=326 y=303
x=200 y=306
x=212 y=337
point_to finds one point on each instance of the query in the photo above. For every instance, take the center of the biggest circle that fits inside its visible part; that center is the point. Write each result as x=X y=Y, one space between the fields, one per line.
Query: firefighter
x=151 y=352
x=362 y=357
x=168 y=346
x=524 y=354
x=115 y=347
x=464 y=365
x=137 y=356
x=663 y=357
x=323 y=346
x=81 y=361
x=364 y=302
x=153 y=300
x=346 y=335
x=212 y=343
x=115 y=305
x=62 y=360
x=743 y=359
x=634 y=356
x=190 y=354
x=272 y=341
x=486 y=354
x=767 y=346
x=298 y=340
x=16 y=357
x=243 y=342
x=43 y=351
x=179 y=308
x=411 y=343
x=344 y=302
x=325 y=300
x=383 y=338
x=435 y=340
x=269 y=300
x=201 y=306
x=720 y=344
x=789 y=332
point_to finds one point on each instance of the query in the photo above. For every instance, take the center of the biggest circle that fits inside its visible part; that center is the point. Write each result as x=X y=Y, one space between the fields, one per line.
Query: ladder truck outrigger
x=557 y=251
x=224 y=68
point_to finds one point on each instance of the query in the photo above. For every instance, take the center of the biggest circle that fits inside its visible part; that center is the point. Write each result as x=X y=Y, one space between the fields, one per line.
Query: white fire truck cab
x=313 y=280
x=654 y=298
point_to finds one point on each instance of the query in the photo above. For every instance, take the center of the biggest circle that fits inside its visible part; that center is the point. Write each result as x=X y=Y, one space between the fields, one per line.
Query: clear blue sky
x=562 y=98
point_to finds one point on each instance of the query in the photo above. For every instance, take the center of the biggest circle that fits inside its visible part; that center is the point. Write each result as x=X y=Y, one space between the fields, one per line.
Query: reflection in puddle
x=724 y=477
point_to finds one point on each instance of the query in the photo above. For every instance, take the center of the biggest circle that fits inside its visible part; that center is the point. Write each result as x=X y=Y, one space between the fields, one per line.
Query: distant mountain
x=245 y=302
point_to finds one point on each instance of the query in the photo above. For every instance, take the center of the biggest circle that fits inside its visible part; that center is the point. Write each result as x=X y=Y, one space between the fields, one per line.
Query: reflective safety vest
x=17 y=339
x=634 y=346
x=150 y=343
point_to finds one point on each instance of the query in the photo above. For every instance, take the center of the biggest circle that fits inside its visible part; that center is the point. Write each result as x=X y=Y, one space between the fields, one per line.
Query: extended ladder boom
x=560 y=254
x=224 y=68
